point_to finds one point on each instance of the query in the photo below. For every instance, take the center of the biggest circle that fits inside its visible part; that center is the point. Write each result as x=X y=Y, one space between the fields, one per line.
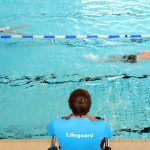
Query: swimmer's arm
x=104 y=60
x=14 y=32
x=112 y=58
x=108 y=60
x=94 y=57
x=22 y=26
x=98 y=59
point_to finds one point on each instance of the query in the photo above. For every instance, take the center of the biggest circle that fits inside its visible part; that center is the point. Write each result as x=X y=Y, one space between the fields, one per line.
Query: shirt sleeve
x=108 y=131
x=51 y=128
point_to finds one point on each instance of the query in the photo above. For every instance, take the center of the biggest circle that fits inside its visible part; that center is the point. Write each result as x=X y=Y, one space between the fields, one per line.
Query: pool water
x=37 y=75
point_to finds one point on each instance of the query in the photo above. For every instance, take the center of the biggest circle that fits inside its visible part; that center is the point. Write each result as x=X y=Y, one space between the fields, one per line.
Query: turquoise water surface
x=37 y=75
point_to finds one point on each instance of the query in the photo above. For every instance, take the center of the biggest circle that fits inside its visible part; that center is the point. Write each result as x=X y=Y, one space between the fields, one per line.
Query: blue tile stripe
x=75 y=36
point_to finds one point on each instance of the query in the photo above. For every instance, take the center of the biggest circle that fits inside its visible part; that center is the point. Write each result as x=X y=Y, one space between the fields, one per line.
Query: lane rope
x=134 y=36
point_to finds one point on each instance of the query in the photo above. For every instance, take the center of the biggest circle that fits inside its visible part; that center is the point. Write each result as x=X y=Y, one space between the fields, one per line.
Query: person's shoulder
x=54 y=121
x=58 y=119
x=102 y=122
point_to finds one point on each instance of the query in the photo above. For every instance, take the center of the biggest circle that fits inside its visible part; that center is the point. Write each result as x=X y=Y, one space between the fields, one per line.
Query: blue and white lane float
x=136 y=36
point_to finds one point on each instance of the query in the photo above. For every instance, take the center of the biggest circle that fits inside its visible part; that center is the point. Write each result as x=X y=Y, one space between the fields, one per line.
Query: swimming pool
x=37 y=75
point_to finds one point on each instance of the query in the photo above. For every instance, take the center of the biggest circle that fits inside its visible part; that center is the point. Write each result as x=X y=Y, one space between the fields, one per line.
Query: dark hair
x=80 y=102
x=129 y=58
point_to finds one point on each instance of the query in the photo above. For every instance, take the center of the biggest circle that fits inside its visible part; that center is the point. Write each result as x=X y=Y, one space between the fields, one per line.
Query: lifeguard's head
x=80 y=102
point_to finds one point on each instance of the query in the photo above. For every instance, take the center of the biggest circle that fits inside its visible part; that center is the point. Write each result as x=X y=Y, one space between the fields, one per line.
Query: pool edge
x=44 y=144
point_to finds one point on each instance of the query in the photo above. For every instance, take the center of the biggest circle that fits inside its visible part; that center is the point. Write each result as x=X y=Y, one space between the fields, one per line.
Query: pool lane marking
x=109 y=79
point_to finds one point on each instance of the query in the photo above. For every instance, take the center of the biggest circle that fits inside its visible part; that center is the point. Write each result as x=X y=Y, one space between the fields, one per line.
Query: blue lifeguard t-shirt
x=79 y=133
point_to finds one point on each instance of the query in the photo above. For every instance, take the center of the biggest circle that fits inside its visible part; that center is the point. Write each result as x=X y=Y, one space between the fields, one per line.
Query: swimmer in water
x=131 y=58
x=12 y=30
